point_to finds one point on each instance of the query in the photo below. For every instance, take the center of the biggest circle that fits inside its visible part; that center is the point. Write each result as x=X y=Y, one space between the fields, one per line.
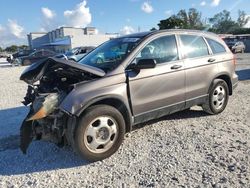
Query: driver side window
x=162 y=50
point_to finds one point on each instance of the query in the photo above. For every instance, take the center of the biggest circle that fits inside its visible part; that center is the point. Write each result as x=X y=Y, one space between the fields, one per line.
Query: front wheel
x=217 y=98
x=99 y=133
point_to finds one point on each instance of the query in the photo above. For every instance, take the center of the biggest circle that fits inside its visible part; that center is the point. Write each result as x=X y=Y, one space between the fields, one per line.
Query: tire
x=96 y=141
x=217 y=98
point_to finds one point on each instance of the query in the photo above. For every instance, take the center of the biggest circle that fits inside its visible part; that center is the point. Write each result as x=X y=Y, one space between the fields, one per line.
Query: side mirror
x=143 y=64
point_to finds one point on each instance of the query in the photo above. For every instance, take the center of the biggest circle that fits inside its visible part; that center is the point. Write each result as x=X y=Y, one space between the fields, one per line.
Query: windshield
x=110 y=54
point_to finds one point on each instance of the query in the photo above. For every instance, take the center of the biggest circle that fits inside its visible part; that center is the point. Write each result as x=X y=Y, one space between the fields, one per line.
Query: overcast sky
x=17 y=17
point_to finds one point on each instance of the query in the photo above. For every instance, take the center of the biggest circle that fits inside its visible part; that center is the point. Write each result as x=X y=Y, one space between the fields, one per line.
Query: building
x=36 y=39
x=66 y=38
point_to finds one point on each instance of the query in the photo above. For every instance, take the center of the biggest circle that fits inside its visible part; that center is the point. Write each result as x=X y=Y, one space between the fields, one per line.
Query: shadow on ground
x=45 y=156
x=243 y=74
x=41 y=156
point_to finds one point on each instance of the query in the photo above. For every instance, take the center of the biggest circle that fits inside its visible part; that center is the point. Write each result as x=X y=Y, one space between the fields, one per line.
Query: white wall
x=78 y=38
x=89 y=40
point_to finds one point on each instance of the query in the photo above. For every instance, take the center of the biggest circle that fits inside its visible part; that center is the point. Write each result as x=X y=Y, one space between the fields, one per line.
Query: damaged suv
x=92 y=104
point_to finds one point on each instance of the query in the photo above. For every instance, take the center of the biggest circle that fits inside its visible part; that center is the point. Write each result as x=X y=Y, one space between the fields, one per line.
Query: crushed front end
x=50 y=82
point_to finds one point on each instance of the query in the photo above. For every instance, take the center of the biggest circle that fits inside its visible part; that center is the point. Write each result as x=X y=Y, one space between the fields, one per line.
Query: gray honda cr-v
x=91 y=104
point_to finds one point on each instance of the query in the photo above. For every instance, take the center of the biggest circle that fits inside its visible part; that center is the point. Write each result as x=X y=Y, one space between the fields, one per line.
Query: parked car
x=4 y=54
x=238 y=47
x=77 y=53
x=16 y=55
x=38 y=55
x=22 y=53
x=91 y=105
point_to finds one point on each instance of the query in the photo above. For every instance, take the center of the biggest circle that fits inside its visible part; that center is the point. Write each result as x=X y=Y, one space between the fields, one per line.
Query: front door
x=161 y=90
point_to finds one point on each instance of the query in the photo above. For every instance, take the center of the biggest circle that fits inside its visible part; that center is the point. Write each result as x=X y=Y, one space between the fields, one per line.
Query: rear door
x=200 y=66
x=157 y=91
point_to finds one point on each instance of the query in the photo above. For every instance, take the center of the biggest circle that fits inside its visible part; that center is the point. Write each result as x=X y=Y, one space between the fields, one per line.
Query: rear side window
x=193 y=46
x=216 y=46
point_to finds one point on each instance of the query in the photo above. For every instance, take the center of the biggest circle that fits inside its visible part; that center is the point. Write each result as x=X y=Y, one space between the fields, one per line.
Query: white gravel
x=186 y=149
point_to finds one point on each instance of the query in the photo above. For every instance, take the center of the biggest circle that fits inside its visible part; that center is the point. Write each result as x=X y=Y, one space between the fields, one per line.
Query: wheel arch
x=114 y=102
x=227 y=79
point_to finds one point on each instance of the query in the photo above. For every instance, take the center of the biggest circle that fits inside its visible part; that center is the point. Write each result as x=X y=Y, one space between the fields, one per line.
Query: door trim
x=166 y=110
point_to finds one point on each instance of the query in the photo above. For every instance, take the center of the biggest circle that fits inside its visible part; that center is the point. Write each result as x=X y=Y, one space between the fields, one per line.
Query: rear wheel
x=217 y=98
x=100 y=132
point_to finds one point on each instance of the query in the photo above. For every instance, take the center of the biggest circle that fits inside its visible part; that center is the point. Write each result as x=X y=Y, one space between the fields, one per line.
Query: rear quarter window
x=216 y=46
x=193 y=46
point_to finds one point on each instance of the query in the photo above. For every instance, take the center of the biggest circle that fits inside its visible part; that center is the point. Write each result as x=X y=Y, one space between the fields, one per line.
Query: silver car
x=92 y=104
x=238 y=47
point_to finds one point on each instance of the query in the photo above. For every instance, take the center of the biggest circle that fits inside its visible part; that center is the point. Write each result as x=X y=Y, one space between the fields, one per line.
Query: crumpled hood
x=35 y=72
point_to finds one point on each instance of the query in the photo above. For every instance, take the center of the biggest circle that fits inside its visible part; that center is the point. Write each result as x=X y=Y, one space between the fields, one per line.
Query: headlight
x=38 y=115
x=44 y=105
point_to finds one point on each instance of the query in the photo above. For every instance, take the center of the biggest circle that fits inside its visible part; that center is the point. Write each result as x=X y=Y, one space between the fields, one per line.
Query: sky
x=18 y=18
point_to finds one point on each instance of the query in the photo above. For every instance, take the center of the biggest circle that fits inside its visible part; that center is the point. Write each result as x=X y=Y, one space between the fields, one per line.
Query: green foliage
x=23 y=47
x=243 y=19
x=171 y=23
x=15 y=48
x=183 y=20
x=241 y=31
x=219 y=23
x=153 y=29
x=223 y=23
x=12 y=48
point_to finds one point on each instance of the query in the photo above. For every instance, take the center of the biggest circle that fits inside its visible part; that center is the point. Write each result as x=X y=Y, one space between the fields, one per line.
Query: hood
x=36 y=71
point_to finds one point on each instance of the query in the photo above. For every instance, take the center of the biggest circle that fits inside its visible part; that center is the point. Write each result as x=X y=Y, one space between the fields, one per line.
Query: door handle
x=211 y=60
x=176 y=67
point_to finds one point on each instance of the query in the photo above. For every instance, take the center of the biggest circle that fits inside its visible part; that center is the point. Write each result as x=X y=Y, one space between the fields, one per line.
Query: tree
x=23 y=47
x=1 y=49
x=183 y=20
x=242 y=18
x=12 y=48
x=182 y=15
x=223 y=23
x=173 y=22
x=194 y=17
x=153 y=29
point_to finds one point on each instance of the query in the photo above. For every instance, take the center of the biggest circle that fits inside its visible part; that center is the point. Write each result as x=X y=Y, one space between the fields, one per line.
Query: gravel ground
x=186 y=149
